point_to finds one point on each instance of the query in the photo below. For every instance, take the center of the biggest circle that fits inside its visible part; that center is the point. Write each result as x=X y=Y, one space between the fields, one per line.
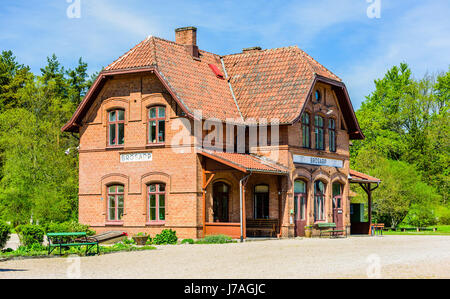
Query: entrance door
x=300 y=214
x=300 y=205
x=338 y=214
x=220 y=202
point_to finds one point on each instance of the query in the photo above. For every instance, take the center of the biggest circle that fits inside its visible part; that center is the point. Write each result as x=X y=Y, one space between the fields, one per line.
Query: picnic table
x=65 y=240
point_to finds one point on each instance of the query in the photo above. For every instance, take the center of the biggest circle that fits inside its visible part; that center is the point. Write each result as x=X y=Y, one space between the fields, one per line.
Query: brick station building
x=135 y=175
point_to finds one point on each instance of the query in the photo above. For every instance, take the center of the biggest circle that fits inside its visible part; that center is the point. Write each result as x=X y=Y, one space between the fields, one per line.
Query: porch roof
x=359 y=177
x=245 y=162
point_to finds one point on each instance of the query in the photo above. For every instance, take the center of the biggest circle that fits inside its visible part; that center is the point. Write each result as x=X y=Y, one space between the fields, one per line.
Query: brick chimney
x=187 y=36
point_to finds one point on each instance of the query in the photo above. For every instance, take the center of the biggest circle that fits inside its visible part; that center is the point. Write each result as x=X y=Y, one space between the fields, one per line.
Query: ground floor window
x=319 y=201
x=157 y=202
x=221 y=195
x=115 y=202
x=261 y=202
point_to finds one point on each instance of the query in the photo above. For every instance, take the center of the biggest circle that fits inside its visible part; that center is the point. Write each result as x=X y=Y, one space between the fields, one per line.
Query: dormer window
x=157 y=125
x=116 y=127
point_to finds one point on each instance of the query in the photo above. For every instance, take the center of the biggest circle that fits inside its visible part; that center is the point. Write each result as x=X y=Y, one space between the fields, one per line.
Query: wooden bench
x=328 y=228
x=65 y=240
x=262 y=225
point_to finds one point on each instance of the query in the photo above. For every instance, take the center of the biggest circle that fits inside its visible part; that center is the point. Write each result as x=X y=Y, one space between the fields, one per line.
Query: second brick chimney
x=187 y=36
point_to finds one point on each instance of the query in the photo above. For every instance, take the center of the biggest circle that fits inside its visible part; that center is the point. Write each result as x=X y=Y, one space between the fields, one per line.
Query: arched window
x=319 y=201
x=115 y=202
x=318 y=124
x=156 y=203
x=318 y=96
x=116 y=127
x=306 y=132
x=261 y=202
x=337 y=195
x=156 y=124
x=221 y=195
x=332 y=134
x=300 y=200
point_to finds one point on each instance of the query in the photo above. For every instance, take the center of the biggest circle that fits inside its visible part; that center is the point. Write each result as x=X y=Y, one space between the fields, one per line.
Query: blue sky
x=338 y=33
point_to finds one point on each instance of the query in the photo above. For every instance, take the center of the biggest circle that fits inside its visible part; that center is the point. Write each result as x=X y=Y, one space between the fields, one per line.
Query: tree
x=400 y=188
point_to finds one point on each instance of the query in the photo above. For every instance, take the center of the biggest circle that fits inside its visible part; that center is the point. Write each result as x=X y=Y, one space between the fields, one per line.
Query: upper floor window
x=306 y=132
x=116 y=127
x=115 y=202
x=332 y=134
x=157 y=202
x=156 y=124
x=318 y=124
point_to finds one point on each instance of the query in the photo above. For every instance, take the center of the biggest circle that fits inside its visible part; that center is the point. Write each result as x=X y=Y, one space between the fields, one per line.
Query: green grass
x=37 y=250
x=442 y=230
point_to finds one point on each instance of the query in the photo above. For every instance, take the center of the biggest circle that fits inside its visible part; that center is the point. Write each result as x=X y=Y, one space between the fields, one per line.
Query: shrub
x=443 y=214
x=420 y=216
x=127 y=241
x=215 y=239
x=68 y=227
x=5 y=232
x=167 y=236
x=30 y=234
x=188 y=241
x=149 y=241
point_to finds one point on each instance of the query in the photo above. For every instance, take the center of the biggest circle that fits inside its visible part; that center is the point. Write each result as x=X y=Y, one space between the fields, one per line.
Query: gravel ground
x=354 y=257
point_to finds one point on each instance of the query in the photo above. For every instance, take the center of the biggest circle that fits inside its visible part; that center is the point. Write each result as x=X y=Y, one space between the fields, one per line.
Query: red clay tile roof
x=271 y=84
x=193 y=81
x=245 y=162
x=359 y=176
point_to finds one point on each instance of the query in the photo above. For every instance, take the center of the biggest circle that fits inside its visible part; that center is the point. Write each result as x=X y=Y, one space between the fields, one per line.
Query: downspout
x=241 y=203
x=231 y=88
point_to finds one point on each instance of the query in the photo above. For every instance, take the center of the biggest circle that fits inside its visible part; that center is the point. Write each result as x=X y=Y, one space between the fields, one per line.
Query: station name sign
x=300 y=159
x=135 y=157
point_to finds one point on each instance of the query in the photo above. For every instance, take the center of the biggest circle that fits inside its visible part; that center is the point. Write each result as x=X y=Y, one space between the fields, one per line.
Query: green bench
x=328 y=228
x=65 y=240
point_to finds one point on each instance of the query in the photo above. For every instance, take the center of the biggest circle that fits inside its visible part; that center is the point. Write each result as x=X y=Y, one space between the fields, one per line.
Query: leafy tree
x=13 y=76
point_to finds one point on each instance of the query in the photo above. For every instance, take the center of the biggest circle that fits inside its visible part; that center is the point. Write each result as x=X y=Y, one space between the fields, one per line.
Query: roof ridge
x=261 y=51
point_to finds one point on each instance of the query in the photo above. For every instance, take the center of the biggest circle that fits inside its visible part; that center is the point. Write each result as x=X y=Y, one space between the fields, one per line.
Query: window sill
x=152 y=145
x=114 y=223
x=120 y=147
x=156 y=223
